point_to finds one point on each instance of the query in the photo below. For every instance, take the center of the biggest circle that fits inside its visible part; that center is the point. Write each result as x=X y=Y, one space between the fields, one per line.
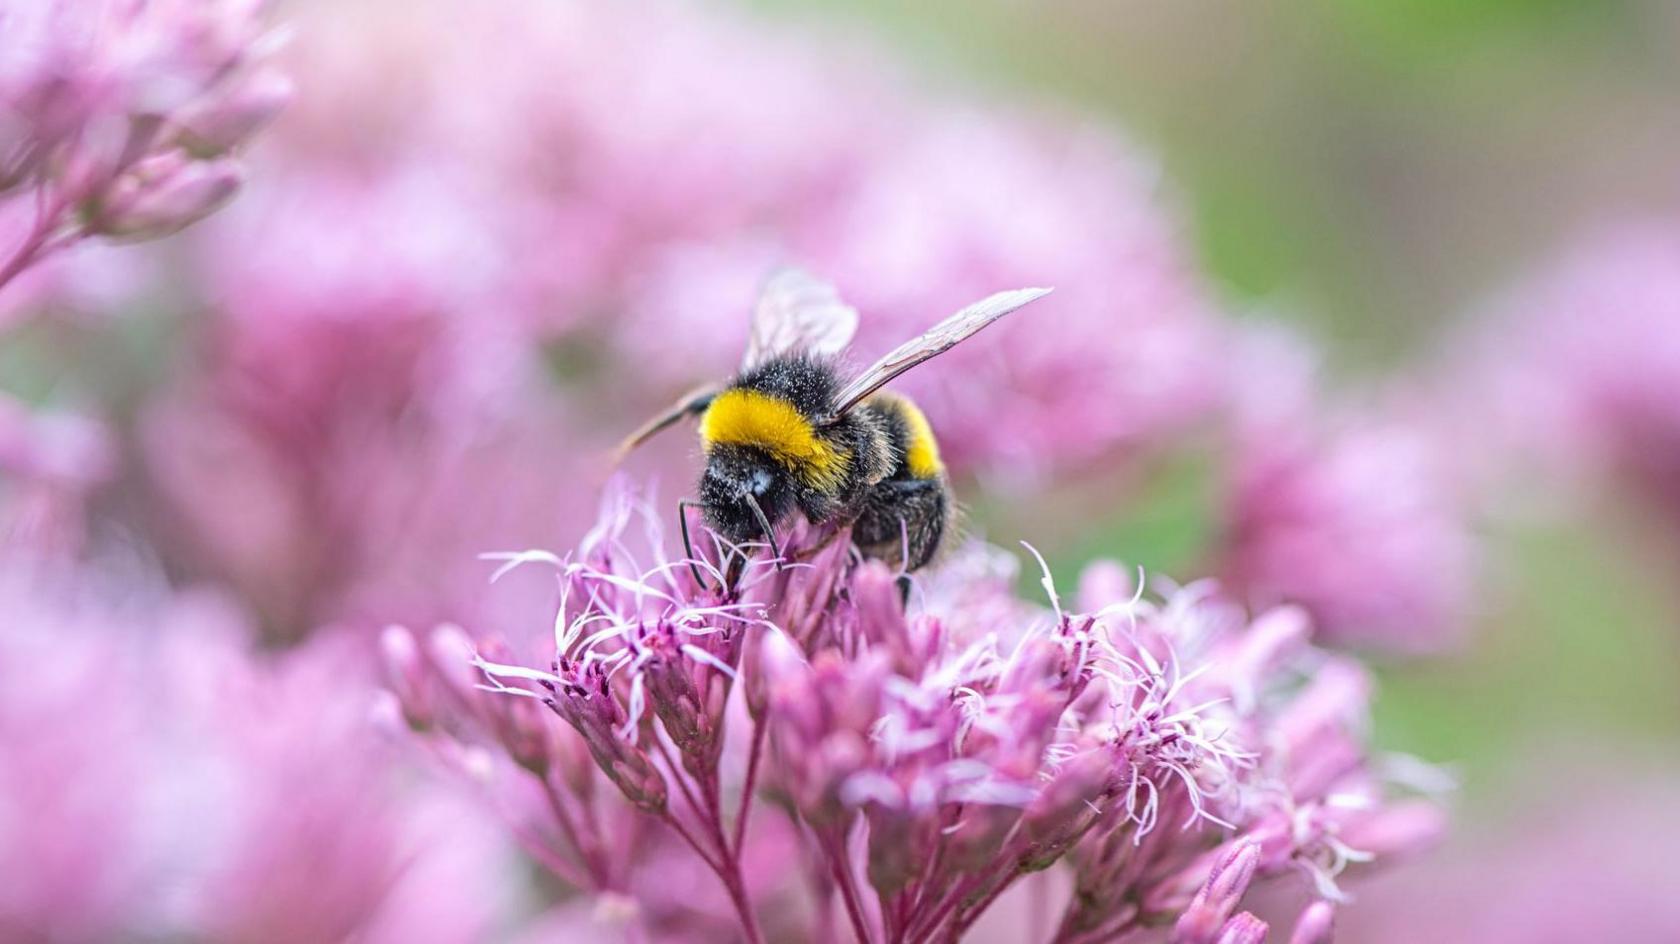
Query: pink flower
x=314 y=836
x=932 y=758
x=1361 y=517
x=1575 y=371
x=116 y=115
x=355 y=375
x=161 y=781
x=72 y=838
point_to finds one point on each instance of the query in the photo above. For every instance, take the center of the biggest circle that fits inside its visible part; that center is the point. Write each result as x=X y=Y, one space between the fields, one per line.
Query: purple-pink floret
x=1167 y=752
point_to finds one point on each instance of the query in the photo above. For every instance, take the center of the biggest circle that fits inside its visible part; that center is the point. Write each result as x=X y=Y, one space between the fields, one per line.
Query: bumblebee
x=788 y=433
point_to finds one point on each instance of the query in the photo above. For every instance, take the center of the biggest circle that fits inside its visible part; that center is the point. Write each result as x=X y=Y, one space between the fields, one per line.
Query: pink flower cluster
x=925 y=759
x=1576 y=370
x=160 y=781
x=120 y=118
x=329 y=454
x=1361 y=516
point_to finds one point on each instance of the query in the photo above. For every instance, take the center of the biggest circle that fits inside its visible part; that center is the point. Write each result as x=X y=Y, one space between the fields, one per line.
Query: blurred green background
x=1373 y=170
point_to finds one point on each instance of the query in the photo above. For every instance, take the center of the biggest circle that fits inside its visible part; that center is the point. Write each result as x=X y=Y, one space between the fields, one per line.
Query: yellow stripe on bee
x=742 y=417
x=921 y=453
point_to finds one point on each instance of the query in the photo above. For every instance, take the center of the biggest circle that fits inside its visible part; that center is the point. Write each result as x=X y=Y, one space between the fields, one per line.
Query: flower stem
x=587 y=849
x=737 y=887
x=727 y=864
x=838 y=864
x=967 y=916
x=749 y=785
x=36 y=244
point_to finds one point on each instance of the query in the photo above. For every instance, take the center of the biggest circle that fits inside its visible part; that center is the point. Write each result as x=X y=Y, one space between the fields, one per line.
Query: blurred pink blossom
x=72 y=834
x=359 y=423
x=1576 y=371
x=117 y=116
x=50 y=463
x=160 y=781
x=1361 y=516
x=1625 y=827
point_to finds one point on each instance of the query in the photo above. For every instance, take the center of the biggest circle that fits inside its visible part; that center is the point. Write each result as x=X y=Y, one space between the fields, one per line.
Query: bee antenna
x=763 y=522
x=692 y=403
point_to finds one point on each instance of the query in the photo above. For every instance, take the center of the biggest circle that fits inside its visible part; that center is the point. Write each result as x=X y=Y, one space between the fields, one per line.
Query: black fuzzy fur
x=903 y=518
x=895 y=516
x=732 y=472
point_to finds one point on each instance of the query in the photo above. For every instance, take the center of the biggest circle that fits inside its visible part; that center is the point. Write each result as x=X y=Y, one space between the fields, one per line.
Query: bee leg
x=683 y=504
x=769 y=533
x=903 y=581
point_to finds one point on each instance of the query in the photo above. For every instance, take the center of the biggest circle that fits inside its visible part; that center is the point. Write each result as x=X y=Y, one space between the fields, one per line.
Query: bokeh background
x=1383 y=179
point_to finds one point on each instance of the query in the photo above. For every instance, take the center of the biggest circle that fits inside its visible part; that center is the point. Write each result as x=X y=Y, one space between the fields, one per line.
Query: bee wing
x=797 y=312
x=938 y=339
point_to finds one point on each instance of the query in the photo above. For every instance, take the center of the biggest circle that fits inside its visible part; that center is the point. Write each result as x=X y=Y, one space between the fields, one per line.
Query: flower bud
x=387 y=715
x=1316 y=924
x=591 y=713
x=1335 y=700
x=636 y=777
x=1399 y=829
x=1273 y=637
x=214 y=127
x=163 y=194
x=1058 y=816
x=1226 y=883
x=405 y=674
x=880 y=618
x=1243 y=929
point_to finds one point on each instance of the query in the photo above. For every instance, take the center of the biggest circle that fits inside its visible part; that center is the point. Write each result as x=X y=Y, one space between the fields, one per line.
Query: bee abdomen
x=903 y=521
x=904 y=517
x=915 y=449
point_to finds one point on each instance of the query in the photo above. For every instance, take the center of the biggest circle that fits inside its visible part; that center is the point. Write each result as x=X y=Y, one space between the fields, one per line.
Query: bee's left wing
x=938 y=339
x=798 y=312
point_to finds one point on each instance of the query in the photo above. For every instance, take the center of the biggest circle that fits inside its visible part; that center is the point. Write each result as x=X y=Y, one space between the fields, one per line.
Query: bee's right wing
x=797 y=312
x=937 y=340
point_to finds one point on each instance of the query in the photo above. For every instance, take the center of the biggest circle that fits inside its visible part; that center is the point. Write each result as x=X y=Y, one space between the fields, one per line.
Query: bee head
x=735 y=479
